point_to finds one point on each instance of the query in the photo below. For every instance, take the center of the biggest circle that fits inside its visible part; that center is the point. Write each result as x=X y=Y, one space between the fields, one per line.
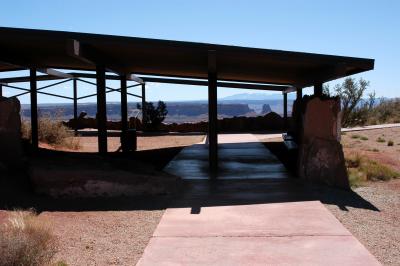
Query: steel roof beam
x=90 y=55
x=195 y=82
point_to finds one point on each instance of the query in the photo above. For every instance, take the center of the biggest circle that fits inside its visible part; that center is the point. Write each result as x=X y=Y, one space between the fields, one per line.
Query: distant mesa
x=255 y=97
x=200 y=109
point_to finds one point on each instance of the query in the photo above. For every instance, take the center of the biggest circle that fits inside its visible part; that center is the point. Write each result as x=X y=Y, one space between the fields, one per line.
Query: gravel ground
x=103 y=237
x=379 y=230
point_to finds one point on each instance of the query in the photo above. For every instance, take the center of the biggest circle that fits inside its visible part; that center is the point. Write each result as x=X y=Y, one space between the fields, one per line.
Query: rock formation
x=266 y=109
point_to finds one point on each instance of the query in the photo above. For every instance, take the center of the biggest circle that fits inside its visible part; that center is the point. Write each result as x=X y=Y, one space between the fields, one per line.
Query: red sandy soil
x=109 y=237
x=100 y=237
x=103 y=238
x=89 y=144
x=365 y=143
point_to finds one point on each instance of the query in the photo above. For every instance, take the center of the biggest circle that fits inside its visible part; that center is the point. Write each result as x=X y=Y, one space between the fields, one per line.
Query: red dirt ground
x=366 y=143
x=111 y=237
x=89 y=143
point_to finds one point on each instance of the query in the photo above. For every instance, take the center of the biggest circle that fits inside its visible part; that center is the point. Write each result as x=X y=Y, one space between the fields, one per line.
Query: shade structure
x=42 y=48
x=187 y=62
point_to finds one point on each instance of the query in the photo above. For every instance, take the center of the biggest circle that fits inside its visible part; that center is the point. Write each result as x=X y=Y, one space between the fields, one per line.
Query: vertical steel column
x=285 y=116
x=299 y=94
x=124 y=111
x=212 y=113
x=101 y=109
x=34 y=111
x=318 y=89
x=144 y=113
x=75 y=85
x=297 y=116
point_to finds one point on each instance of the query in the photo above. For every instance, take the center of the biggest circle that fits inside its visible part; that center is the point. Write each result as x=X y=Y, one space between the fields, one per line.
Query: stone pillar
x=11 y=154
x=321 y=158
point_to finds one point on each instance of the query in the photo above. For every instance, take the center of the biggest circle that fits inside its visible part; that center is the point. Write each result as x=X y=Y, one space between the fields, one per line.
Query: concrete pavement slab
x=299 y=250
x=275 y=219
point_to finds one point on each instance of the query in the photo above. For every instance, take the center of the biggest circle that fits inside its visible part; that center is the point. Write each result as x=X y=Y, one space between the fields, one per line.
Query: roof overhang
x=22 y=48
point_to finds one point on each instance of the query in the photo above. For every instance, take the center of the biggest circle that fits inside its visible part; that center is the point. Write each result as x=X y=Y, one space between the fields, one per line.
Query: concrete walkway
x=297 y=233
x=370 y=127
x=250 y=221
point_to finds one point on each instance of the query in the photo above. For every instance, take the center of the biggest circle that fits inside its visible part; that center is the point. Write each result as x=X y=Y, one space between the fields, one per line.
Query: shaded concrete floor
x=241 y=156
x=232 y=221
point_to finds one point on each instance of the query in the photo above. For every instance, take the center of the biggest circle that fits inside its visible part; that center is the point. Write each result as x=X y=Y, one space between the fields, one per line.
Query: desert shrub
x=356 y=177
x=154 y=115
x=354 y=108
x=380 y=139
x=51 y=131
x=357 y=109
x=364 y=138
x=361 y=169
x=26 y=240
x=353 y=161
x=355 y=136
x=377 y=171
x=390 y=143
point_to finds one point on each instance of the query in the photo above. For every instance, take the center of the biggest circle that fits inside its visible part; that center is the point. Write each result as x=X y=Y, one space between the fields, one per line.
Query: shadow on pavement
x=194 y=194
x=15 y=193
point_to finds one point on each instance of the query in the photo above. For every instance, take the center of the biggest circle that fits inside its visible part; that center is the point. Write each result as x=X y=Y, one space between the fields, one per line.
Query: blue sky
x=368 y=29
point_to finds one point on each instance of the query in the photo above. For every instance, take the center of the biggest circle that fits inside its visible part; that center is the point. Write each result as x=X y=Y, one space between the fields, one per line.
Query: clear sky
x=368 y=29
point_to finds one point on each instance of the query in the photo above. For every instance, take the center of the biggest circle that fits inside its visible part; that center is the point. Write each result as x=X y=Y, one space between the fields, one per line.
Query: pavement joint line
x=249 y=236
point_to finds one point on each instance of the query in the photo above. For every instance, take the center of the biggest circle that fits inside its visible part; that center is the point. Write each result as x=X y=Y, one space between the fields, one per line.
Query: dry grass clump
x=26 y=240
x=52 y=132
x=361 y=169
x=357 y=136
x=380 y=139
